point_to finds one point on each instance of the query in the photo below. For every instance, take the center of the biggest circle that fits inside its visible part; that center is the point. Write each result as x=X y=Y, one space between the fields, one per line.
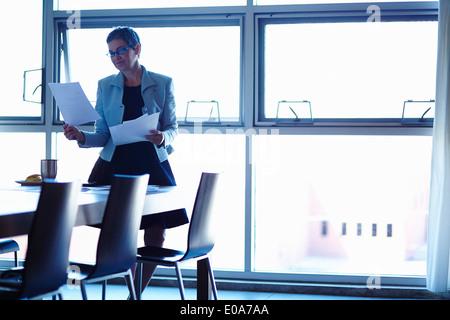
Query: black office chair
x=117 y=244
x=200 y=240
x=8 y=246
x=47 y=258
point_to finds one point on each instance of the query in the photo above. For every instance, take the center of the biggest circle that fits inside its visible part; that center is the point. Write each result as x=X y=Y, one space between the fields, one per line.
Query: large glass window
x=204 y=63
x=22 y=52
x=341 y=204
x=349 y=71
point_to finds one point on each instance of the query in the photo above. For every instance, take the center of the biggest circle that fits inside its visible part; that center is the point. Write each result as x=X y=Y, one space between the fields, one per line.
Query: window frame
x=334 y=13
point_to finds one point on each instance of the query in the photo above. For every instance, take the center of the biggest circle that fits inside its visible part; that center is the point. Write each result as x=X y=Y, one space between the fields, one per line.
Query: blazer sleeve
x=168 y=120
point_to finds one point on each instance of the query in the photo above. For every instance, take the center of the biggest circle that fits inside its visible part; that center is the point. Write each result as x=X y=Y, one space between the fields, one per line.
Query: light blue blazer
x=157 y=92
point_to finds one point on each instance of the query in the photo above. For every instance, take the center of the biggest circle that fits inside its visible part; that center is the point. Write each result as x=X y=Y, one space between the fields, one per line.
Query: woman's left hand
x=155 y=137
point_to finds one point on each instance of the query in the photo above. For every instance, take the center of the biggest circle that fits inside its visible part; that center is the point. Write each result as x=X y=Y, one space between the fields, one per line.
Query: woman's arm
x=72 y=133
x=169 y=125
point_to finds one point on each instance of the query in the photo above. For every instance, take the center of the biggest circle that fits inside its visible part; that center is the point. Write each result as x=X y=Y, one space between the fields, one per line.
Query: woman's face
x=127 y=60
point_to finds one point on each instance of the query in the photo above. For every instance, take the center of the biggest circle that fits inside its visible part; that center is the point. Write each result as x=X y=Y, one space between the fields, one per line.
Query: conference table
x=18 y=204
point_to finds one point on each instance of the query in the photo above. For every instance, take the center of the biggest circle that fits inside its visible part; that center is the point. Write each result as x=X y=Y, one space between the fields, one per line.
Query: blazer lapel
x=118 y=80
x=147 y=80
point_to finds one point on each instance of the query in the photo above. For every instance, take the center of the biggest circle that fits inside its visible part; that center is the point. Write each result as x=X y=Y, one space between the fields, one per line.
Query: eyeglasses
x=119 y=52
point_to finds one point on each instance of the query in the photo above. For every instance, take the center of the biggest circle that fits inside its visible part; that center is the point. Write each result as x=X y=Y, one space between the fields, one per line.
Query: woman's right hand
x=72 y=133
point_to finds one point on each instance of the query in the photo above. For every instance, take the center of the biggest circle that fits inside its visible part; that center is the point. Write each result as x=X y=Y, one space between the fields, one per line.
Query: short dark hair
x=126 y=34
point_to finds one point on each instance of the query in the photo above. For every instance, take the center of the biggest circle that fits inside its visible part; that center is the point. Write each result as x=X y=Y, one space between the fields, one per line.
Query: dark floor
x=120 y=292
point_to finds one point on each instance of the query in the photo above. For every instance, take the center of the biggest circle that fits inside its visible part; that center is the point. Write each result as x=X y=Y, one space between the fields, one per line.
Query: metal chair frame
x=200 y=240
x=45 y=267
x=117 y=244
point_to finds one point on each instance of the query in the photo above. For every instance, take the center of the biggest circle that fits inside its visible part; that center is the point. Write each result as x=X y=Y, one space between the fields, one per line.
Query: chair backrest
x=47 y=258
x=201 y=234
x=117 y=244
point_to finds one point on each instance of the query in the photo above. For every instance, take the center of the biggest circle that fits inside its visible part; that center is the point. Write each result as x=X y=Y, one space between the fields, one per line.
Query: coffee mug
x=48 y=168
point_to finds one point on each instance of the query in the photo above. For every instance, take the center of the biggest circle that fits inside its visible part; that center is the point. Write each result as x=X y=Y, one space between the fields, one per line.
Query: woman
x=127 y=96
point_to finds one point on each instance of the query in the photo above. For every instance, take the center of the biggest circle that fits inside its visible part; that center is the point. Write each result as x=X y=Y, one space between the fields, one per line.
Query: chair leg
x=130 y=284
x=83 y=290
x=16 y=260
x=104 y=289
x=180 y=280
x=59 y=295
x=139 y=281
x=211 y=277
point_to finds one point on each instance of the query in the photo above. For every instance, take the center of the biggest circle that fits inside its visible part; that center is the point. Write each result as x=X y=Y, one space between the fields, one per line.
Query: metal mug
x=48 y=168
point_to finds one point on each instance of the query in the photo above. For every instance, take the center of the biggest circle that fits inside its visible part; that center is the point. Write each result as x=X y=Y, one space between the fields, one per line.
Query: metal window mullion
x=65 y=52
x=47 y=74
x=247 y=111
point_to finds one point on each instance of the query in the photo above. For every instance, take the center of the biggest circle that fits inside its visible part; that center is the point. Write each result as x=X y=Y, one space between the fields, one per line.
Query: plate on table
x=29 y=183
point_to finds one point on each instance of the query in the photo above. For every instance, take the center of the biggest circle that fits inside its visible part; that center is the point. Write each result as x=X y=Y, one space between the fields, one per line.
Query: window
x=353 y=71
x=342 y=204
x=203 y=61
x=22 y=52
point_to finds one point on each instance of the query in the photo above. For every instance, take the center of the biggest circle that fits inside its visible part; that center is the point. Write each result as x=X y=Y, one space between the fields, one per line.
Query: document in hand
x=134 y=130
x=73 y=103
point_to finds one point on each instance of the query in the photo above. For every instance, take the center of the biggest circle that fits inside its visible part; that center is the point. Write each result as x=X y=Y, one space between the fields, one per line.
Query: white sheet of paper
x=134 y=130
x=73 y=103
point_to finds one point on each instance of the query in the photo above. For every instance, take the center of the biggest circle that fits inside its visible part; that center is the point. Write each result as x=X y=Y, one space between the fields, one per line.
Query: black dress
x=139 y=158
